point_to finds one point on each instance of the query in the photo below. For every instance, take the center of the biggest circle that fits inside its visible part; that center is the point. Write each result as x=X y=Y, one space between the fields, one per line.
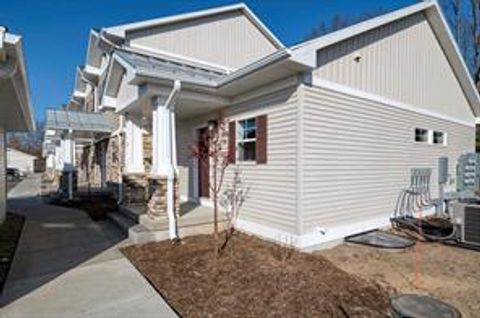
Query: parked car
x=13 y=174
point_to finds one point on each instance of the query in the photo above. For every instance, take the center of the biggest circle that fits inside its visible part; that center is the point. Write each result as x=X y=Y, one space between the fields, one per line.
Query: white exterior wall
x=22 y=161
x=272 y=197
x=3 y=179
x=402 y=61
x=358 y=154
x=229 y=39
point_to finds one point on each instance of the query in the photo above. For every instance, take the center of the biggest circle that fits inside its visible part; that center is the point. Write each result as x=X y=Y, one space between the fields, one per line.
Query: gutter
x=8 y=66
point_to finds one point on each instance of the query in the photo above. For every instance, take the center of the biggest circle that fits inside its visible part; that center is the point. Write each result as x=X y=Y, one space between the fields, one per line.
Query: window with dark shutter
x=261 y=144
x=232 y=134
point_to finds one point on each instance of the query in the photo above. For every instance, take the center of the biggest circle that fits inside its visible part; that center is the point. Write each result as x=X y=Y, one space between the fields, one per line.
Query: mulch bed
x=253 y=278
x=10 y=232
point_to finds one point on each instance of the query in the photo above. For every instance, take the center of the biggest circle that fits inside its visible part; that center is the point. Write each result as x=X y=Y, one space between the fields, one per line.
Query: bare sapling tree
x=232 y=200
x=212 y=150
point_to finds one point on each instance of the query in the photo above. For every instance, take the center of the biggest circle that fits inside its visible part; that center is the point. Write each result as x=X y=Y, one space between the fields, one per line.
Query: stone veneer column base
x=157 y=203
x=135 y=186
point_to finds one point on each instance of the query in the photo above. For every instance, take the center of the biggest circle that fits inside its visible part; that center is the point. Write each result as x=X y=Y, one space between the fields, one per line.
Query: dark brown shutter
x=261 y=145
x=232 y=134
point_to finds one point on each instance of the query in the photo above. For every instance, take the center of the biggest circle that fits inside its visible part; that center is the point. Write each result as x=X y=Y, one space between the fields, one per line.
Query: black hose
x=436 y=231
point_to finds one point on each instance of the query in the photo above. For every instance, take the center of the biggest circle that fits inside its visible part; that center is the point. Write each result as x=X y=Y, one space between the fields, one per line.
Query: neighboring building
x=16 y=112
x=325 y=132
x=23 y=161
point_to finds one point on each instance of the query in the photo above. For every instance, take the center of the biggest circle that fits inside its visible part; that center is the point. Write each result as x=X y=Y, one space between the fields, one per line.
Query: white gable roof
x=121 y=30
x=306 y=52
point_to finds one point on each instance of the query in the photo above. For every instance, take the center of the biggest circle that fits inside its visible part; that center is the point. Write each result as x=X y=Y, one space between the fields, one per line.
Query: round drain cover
x=419 y=306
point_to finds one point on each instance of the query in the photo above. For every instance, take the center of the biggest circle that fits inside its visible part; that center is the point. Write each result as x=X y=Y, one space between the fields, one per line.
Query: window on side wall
x=247 y=139
x=421 y=135
x=439 y=138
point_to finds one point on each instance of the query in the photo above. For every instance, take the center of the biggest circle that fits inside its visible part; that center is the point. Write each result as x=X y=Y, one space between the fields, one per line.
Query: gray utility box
x=468 y=173
x=442 y=170
x=467 y=218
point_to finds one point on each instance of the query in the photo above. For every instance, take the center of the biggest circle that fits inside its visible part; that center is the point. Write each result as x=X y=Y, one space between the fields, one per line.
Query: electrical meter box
x=468 y=173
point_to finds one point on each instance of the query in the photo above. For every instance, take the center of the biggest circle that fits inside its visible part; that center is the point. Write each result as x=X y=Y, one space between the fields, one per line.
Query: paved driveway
x=68 y=266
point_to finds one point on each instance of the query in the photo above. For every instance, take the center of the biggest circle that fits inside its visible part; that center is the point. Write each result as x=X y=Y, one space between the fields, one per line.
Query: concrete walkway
x=66 y=265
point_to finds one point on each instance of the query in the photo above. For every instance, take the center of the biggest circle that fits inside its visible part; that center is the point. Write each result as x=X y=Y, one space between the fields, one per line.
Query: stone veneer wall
x=135 y=188
x=157 y=199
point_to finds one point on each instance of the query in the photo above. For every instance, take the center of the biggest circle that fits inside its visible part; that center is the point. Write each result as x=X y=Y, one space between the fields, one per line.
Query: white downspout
x=164 y=150
x=172 y=219
x=121 y=157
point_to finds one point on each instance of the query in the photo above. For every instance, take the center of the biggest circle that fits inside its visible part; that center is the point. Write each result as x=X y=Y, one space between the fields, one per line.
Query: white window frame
x=238 y=141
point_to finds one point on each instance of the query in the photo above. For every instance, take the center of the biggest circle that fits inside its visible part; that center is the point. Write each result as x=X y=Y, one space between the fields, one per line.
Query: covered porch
x=165 y=189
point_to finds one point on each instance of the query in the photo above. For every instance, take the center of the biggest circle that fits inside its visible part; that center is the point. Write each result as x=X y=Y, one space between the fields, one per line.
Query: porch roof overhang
x=83 y=125
x=144 y=72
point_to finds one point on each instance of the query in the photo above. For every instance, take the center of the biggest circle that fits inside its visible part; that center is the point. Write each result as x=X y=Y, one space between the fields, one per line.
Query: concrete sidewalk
x=66 y=265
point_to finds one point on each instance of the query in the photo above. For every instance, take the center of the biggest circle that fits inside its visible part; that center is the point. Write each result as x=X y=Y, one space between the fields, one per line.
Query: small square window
x=438 y=138
x=421 y=135
x=247 y=133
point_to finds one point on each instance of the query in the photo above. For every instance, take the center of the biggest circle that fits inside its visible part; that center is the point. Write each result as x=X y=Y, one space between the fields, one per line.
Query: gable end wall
x=229 y=40
x=402 y=61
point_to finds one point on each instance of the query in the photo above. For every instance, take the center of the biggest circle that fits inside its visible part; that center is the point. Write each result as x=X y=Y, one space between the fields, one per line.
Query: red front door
x=203 y=164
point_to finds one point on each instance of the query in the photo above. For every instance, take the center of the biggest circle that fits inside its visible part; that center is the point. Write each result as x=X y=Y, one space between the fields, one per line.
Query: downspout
x=121 y=157
x=172 y=220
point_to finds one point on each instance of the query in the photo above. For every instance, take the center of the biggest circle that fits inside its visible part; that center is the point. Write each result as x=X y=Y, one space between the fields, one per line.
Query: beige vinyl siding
x=272 y=197
x=402 y=61
x=230 y=40
x=358 y=155
x=3 y=166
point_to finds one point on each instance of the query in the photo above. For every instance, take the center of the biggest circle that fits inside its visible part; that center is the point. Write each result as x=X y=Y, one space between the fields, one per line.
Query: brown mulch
x=10 y=232
x=253 y=278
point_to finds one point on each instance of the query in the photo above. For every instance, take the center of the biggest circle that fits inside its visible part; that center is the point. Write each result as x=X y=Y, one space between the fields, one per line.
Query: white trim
x=121 y=30
x=321 y=237
x=385 y=101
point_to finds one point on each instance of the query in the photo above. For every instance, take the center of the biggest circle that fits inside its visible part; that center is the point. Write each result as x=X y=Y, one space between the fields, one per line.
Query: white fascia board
x=120 y=30
x=449 y=45
x=21 y=84
x=255 y=66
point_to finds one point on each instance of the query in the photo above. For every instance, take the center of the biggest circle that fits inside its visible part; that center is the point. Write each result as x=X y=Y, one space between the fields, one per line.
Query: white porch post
x=68 y=147
x=164 y=149
x=134 y=145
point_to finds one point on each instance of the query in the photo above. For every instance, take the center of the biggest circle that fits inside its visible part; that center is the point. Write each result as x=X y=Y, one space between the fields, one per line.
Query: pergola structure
x=64 y=129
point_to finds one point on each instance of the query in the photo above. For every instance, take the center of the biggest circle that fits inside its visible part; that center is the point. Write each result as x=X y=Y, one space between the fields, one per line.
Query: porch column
x=69 y=176
x=134 y=181
x=163 y=175
x=134 y=145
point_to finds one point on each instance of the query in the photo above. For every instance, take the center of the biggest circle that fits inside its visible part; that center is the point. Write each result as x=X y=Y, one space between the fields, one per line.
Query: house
x=16 y=109
x=325 y=133
x=23 y=161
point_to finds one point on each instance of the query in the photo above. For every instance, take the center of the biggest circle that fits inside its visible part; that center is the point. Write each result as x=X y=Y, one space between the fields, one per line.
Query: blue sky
x=55 y=31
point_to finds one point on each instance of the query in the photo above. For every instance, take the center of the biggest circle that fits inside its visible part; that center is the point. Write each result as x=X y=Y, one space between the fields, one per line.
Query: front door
x=203 y=164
